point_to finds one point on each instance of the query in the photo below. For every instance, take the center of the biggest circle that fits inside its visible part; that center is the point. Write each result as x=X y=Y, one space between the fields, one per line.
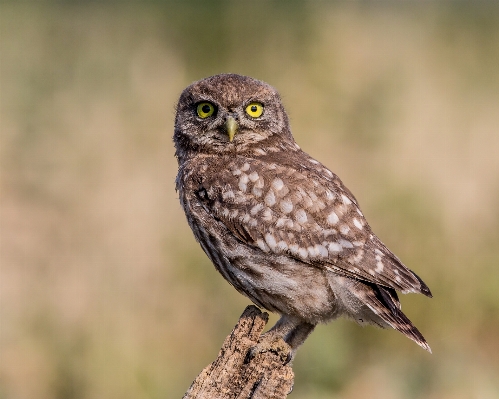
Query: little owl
x=277 y=224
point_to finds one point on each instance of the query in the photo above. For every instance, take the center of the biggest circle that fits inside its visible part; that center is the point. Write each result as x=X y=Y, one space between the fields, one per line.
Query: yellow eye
x=205 y=109
x=254 y=110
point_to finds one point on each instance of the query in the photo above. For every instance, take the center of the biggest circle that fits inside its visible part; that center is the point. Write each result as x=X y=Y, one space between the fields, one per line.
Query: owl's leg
x=288 y=334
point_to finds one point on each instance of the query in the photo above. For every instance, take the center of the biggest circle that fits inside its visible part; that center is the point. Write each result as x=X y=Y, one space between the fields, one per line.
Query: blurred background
x=103 y=291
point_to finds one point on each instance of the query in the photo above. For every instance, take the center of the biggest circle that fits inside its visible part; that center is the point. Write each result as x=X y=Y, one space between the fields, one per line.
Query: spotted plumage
x=277 y=224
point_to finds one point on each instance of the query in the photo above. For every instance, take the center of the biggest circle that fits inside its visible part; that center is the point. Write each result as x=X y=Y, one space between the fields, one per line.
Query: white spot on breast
x=246 y=218
x=236 y=172
x=379 y=267
x=303 y=253
x=225 y=212
x=300 y=216
x=322 y=251
x=277 y=184
x=245 y=167
x=267 y=215
x=270 y=198
x=286 y=206
x=253 y=176
x=358 y=256
x=281 y=222
x=345 y=243
x=257 y=192
x=262 y=245
x=358 y=243
x=234 y=213
x=253 y=222
x=329 y=232
x=329 y=195
x=282 y=246
x=256 y=209
x=333 y=218
x=334 y=247
x=344 y=229
x=345 y=199
x=357 y=223
x=228 y=194
x=243 y=181
x=294 y=248
x=312 y=251
x=270 y=239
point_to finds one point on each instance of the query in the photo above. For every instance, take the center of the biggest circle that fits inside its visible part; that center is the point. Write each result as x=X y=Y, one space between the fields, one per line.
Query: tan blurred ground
x=100 y=279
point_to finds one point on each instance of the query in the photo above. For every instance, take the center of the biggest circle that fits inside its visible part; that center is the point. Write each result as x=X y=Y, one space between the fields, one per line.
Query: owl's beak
x=231 y=127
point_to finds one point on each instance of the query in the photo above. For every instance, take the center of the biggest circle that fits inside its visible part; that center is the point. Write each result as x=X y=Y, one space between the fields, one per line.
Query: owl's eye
x=254 y=110
x=205 y=109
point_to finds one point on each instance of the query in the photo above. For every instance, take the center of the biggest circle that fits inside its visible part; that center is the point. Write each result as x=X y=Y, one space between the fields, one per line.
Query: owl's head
x=228 y=113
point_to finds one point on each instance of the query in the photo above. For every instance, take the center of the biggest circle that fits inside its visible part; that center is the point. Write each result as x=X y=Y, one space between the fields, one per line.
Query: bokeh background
x=105 y=293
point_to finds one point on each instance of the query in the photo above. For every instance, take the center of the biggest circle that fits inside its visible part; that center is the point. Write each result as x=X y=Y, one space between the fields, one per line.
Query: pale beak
x=231 y=127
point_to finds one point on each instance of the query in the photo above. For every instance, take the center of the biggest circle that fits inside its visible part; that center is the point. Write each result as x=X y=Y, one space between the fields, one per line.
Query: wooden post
x=234 y=374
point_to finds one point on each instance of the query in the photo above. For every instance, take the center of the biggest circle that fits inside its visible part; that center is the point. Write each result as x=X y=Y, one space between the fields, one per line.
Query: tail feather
x=384 y=303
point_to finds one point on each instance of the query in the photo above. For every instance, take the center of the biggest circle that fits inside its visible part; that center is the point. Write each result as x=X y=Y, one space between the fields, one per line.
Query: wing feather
x=299 y=208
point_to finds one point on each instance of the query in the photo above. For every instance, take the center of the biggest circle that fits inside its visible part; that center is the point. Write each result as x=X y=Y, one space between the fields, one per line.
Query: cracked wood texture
x=234 y=375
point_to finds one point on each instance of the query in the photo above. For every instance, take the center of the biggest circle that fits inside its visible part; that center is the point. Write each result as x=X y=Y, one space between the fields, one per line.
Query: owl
x=277 y=224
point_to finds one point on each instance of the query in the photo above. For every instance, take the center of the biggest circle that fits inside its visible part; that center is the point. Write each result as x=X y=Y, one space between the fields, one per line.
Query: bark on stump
x=234 y=375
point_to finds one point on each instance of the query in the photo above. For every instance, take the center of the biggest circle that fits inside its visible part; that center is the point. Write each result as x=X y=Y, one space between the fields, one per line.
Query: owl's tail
x=384 y=303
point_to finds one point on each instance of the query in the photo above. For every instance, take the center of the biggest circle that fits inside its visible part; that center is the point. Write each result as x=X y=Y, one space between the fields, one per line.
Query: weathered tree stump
x=235 y=374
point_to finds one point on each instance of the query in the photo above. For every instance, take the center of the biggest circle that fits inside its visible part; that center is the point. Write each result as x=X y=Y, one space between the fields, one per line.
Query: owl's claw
x=271 y=343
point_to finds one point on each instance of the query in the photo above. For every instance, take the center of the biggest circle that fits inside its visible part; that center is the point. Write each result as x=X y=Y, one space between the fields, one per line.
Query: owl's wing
x=301 y=209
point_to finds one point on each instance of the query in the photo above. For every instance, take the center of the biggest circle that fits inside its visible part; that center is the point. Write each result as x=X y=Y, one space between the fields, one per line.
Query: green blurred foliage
x=104 y=292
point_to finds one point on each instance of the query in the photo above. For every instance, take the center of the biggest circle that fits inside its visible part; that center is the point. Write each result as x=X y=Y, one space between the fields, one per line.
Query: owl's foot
x=283 y=339
x=272 y=343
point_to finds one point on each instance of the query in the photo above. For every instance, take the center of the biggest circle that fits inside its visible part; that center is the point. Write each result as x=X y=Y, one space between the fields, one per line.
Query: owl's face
x=228 y=114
